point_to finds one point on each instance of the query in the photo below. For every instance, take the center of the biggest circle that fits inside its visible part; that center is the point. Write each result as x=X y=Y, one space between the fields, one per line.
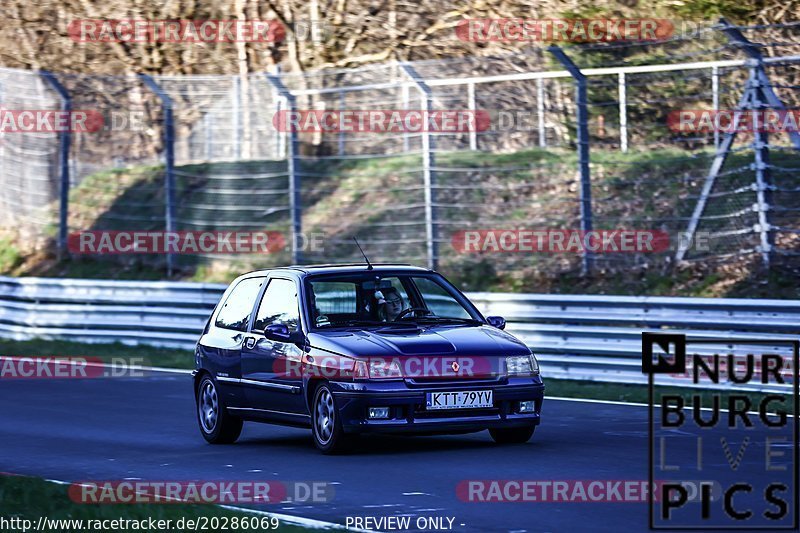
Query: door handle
x=249 y=342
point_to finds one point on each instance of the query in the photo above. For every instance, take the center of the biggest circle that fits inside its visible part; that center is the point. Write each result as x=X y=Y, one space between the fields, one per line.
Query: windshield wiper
x=357 y=322
x=444 y=319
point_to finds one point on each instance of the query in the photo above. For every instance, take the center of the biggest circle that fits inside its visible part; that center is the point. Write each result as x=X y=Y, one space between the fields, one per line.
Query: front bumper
x=408 y=413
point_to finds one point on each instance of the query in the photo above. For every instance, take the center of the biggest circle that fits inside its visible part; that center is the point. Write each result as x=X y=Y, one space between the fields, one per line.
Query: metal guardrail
x=595 y=338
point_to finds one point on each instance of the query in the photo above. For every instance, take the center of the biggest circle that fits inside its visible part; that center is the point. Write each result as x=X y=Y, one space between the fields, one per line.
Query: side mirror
x=496 y=321
x=281 y=333
x=277 y=332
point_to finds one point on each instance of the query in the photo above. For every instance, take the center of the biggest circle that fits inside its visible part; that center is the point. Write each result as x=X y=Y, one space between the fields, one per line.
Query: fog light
x=379 y=412
x=526 y=407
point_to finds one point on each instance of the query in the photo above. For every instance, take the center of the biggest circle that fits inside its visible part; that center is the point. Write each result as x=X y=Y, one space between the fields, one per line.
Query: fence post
x=763 y=183
x=207 y=127
x=406 y=101
x=341 y=130
x=428 y=163
x=540 y=112
x=582 y=118
x=472 y=106
x=64 y=141
x=623 y=113
x=292 y=167
x=715 y=100
x=758 y=95
x=280 y=137
x=169 y=159
x=237 y=118
x=767 y=95
x=759 y=87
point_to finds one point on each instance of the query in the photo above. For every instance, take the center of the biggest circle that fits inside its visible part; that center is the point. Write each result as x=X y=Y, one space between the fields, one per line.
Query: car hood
x=437 y=340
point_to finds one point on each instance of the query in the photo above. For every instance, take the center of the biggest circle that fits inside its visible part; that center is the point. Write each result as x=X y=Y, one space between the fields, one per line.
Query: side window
x=235 y=313
x=438 y=300
x=278 y=306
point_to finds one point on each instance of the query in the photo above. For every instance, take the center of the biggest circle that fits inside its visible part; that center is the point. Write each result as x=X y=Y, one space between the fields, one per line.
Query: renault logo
x=455 y=366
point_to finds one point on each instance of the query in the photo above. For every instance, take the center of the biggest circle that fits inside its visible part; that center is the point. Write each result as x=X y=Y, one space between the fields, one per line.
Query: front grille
x=433 y=383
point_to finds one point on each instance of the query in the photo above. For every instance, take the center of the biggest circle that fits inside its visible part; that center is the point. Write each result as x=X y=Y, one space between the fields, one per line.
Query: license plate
x=459 y=400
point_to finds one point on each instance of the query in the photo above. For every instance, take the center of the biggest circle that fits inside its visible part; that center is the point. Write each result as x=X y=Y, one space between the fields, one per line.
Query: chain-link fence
x=28 y=160
x=409 y=194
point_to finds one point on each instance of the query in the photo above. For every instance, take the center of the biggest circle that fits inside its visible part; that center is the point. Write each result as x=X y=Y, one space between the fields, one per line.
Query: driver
x=391 y=304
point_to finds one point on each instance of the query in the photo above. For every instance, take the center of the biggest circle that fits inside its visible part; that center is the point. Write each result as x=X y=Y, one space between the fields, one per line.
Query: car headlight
x=522 y=365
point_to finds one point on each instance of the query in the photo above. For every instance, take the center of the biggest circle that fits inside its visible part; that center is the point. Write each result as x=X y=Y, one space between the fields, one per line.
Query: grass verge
x=138 y=355
x=619 y=392
x=28 y=498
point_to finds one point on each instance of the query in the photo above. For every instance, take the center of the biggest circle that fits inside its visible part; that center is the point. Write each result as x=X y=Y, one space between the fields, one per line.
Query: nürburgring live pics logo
x=738 y=436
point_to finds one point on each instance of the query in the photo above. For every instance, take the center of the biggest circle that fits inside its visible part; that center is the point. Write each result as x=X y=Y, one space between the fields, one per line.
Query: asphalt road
x=111 y=429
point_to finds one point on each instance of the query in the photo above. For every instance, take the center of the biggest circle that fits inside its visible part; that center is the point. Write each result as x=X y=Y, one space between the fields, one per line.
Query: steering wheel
x=404 y=312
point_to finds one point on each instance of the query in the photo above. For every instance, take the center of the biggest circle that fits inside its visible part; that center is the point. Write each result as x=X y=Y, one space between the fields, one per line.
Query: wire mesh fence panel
x=421 y=192
x=29 y=169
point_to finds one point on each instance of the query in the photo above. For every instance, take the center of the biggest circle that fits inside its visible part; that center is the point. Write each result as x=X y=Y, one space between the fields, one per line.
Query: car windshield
x=365 y=299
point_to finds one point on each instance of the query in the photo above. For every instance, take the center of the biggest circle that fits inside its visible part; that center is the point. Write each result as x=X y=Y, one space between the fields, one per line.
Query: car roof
x=341 y=268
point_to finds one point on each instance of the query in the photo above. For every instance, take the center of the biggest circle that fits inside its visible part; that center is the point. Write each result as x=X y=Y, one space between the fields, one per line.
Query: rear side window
x=235 y=313
x=334 y=297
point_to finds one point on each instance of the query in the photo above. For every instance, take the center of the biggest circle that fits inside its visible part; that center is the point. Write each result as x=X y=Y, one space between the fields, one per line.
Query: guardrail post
x=169 y=160
x=292 y=164
x=428 y=163
x=64 y=141
x=582 y=118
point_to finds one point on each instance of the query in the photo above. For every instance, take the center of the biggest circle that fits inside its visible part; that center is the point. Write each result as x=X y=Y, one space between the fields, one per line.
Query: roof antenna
x=369 y=265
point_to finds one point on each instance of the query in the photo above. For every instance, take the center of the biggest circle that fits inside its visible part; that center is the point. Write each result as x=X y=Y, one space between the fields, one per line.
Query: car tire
x=326 y=423
x=512 y=435
x=217 y=425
